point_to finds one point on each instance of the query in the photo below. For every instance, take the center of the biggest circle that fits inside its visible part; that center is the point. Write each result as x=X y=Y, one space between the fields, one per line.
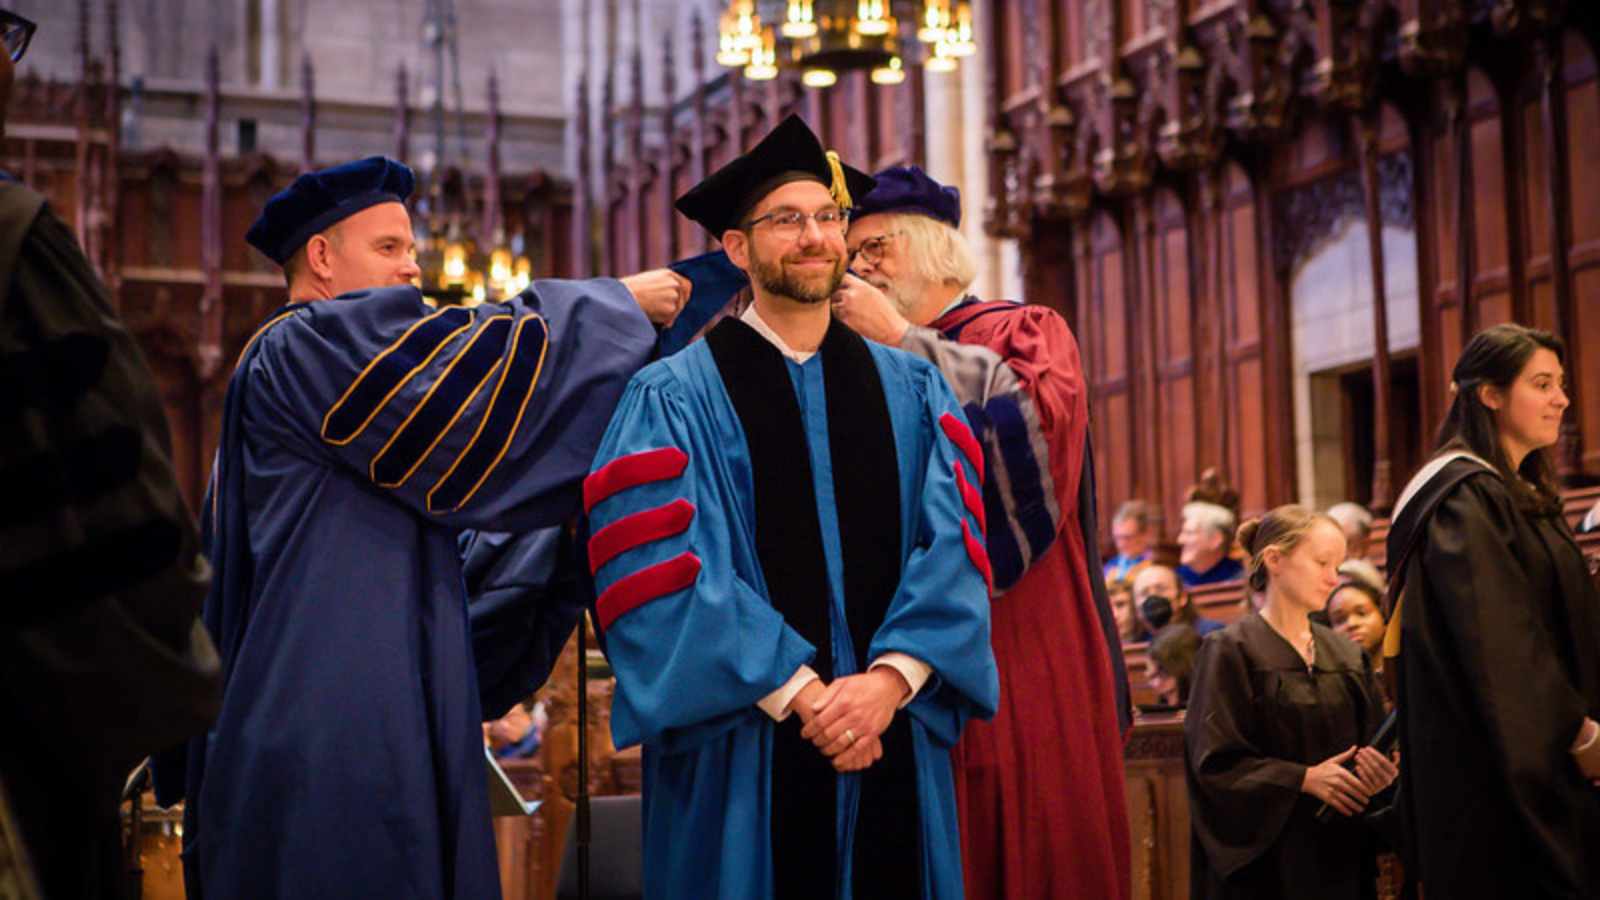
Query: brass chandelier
x=822 y=38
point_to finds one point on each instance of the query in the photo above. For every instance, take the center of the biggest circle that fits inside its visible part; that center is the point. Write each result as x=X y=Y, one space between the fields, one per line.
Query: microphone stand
x=581 y=814
x=133 y=863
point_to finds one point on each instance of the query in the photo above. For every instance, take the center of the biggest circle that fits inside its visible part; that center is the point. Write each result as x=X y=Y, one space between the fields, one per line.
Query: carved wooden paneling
x=690 y=235
x=1490 y=291
x=1104 y=337
x=1158 y=808
x=1582 y=103
x=656 y=219
x=1234 y=106
x=1251 y=455
x=1171 y=333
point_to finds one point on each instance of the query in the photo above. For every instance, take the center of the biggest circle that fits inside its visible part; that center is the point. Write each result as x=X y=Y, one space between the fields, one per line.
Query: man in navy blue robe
x=361 y=432
x=787 y=530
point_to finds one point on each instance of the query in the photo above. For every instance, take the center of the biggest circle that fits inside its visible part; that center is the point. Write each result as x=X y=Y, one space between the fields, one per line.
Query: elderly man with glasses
x=787 y=540
x=102 y=659
x=1041 y=787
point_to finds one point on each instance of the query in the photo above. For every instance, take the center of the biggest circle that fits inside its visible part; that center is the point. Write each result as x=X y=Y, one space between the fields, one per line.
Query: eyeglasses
x=872 y=249
x=16 y=32
x=789 y=224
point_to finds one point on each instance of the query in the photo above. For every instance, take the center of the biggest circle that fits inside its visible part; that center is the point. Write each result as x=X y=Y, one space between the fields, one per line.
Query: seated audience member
x=1356 y=523
x=1364 y=571
x=1120 y=593
x=1170 y=664
x=1203 y=545
x=518 y=733
x=1355 y=610
x=1160 y=599
x=1361 y=570
x=1130 y=530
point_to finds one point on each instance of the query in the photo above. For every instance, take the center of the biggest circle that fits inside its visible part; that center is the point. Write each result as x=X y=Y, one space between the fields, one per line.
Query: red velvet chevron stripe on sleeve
x=638 y=529
x=976 y=554
x=651 y=583
x=960 y=435
x=971 y=498
x=631 y=471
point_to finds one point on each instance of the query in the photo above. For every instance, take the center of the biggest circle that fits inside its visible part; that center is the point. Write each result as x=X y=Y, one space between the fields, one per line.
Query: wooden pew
x=1224 y=602
x=1158 y=806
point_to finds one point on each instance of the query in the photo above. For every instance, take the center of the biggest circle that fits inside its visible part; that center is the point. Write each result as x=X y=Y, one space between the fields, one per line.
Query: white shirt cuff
x=776 y=704
x=913 y=670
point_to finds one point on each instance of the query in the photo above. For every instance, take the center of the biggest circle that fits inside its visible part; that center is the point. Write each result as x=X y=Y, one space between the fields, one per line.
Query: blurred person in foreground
x=102 y=658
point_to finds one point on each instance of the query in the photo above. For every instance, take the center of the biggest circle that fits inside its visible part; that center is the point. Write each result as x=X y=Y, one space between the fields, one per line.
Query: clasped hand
x=661 y=293
x=846 y=719
x=1348 y=789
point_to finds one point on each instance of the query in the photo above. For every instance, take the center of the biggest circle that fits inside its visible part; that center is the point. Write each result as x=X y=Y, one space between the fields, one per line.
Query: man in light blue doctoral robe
x=360 y=434
x=761 y=517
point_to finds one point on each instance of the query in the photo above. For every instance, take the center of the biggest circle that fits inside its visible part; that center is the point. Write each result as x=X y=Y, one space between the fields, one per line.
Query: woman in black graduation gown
x=1499 y=660
x=1278 y=709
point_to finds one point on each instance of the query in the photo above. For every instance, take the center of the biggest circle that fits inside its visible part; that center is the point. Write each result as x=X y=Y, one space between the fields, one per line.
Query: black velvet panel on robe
x=1499 y=663
x=794 y=568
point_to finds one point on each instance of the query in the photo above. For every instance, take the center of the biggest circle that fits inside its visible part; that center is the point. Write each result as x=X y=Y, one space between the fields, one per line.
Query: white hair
x=1351 y=515
x=934 y=250
x=1218 y=518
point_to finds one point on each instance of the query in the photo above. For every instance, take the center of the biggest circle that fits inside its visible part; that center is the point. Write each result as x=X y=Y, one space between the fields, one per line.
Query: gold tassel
x=1391 y=632
x=839 y=190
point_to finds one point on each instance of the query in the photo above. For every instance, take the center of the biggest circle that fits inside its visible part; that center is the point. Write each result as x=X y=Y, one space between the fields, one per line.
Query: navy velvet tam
x=790 y=152
x=908 y=189
x=319 y=200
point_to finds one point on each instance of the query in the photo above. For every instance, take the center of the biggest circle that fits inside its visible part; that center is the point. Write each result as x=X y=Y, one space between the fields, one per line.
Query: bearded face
x=905 y=291
x=805 y=274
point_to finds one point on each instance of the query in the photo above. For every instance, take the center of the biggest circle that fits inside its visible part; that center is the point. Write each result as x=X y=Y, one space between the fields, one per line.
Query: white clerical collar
x=753 y=319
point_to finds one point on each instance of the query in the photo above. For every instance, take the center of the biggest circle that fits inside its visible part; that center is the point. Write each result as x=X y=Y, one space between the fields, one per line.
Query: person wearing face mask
x=1160 y=599
x=1499 y=642
x=1277 y=714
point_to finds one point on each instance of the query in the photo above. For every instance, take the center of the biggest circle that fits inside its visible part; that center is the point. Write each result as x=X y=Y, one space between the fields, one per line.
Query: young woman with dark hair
x=1499 y=659
x=1279 y=709
x=1355 y=610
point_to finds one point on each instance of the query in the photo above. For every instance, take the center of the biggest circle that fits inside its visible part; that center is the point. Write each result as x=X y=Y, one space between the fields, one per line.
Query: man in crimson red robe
x=1040 y=788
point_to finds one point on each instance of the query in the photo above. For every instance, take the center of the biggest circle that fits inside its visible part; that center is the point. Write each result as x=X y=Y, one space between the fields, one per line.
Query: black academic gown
x=1499 y=663
x=1258 y=717
x=102 y=659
